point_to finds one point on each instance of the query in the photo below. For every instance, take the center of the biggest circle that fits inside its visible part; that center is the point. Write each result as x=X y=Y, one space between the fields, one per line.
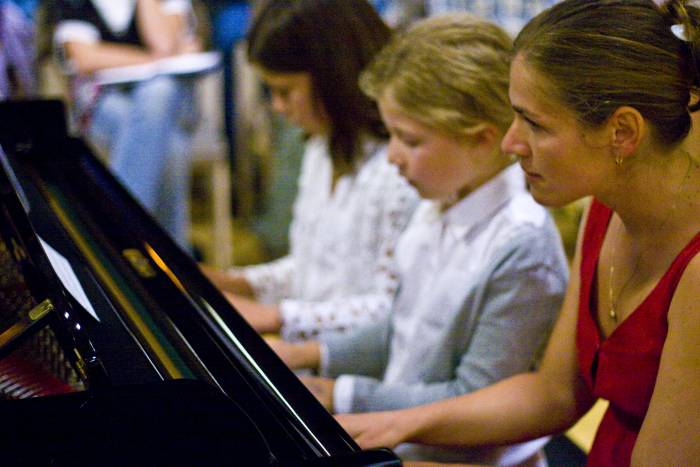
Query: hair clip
x=678 y=30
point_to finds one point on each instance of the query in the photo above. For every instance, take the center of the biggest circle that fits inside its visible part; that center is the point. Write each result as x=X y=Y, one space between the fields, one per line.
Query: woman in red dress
x=601 y=91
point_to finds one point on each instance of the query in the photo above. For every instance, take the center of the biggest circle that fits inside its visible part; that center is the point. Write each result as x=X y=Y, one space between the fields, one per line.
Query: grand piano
x=114 y=348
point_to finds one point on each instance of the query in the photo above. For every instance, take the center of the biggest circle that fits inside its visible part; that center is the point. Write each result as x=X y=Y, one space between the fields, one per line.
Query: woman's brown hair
x=599 y=55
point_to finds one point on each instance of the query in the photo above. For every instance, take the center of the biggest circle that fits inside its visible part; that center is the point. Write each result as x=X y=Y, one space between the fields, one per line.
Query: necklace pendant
x=613 y=314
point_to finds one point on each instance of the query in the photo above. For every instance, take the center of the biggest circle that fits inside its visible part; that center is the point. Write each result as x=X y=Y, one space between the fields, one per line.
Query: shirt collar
x=482 y=203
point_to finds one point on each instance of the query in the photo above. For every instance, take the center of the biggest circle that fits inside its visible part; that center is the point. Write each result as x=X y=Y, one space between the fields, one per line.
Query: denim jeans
x=144 y=130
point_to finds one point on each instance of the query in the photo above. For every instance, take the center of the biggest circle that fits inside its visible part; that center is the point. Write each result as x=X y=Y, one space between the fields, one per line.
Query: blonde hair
x=448 y=72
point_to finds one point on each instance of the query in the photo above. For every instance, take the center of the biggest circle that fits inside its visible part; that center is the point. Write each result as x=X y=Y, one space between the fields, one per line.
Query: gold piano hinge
x=139 y=262
x=80 y=364
x=41 y=310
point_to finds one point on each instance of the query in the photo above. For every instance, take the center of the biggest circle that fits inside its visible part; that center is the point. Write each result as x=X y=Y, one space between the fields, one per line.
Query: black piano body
x=144 y=354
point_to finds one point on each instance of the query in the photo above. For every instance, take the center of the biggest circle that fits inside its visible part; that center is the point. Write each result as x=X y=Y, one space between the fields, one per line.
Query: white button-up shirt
x=340 y=271
x=480 y=286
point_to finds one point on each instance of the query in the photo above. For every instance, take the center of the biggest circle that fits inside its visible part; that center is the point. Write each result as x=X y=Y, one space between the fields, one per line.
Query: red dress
x=622 y=368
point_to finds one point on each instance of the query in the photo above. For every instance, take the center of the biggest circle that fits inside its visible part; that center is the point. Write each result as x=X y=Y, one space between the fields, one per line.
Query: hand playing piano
x=321 y=388
x=227 y=281
x=374 y=429
x=300 y=355
x=383 y=430
x=263 y=318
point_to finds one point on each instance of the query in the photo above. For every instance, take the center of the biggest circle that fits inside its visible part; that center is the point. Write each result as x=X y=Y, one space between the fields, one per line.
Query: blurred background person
x=17 y=50
x=142 y=126
x=509 y=14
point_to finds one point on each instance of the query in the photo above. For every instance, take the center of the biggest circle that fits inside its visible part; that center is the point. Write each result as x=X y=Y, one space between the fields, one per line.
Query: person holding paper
x=141 y=125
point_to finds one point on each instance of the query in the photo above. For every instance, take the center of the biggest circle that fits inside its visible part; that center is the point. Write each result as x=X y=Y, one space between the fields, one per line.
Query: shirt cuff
x=74 y=30
x=343 y=393
x=292 y=328
x=258 y=279
x=322 y=358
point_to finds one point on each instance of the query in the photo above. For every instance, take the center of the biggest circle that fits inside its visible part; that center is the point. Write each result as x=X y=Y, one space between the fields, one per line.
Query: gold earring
x=618 y=160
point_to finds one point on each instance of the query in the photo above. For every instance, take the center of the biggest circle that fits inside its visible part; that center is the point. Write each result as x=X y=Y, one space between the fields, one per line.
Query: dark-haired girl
x=352 y=204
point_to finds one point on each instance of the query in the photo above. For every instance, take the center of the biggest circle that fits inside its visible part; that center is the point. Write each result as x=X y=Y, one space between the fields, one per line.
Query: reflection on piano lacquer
x=162 y=363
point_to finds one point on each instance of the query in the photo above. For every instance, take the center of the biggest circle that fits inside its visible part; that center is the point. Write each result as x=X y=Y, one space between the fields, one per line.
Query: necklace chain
x=612 y=312
x=614 y=300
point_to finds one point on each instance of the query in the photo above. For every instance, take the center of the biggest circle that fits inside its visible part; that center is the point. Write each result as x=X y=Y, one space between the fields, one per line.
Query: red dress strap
x=631 y=353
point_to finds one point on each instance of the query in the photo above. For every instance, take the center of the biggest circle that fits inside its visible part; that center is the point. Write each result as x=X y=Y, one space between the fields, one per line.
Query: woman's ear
x=626 y=129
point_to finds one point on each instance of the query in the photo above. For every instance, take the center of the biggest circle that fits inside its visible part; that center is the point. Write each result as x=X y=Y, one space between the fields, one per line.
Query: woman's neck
x=657 y=196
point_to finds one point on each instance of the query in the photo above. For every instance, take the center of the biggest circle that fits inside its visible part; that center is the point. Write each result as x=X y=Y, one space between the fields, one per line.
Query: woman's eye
x=534 y=125
x=530 y=123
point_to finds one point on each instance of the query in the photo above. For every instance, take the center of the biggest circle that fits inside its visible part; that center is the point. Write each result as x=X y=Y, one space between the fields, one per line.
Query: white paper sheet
x=184 y=64
x=70 y=281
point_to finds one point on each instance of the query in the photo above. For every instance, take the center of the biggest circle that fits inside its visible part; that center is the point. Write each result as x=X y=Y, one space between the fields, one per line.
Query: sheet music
x=70 y=281
x=184 y=64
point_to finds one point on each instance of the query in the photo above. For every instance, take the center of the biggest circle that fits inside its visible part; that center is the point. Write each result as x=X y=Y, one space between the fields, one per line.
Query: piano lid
x=155 y=317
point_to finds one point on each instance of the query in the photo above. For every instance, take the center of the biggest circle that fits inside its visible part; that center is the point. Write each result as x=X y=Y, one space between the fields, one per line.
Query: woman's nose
x=513 y=142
